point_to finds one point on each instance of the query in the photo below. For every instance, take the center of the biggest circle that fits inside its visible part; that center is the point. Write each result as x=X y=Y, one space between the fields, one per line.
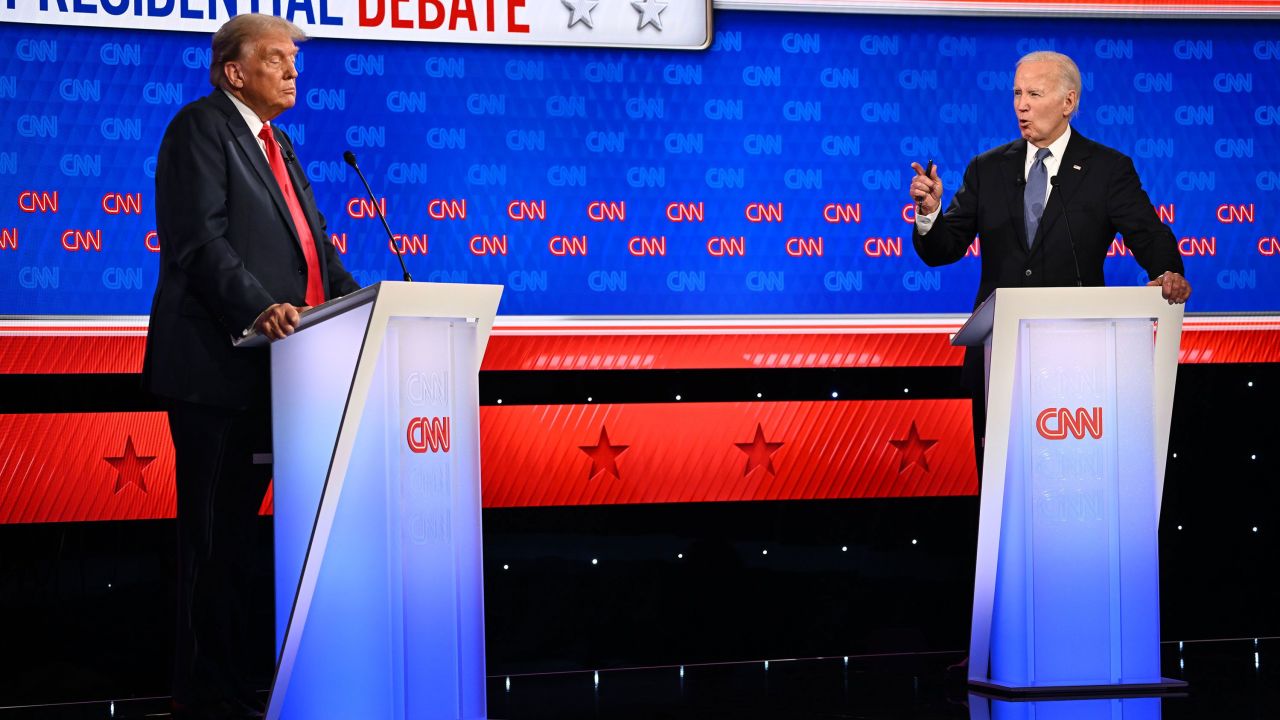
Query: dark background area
x=86 y=608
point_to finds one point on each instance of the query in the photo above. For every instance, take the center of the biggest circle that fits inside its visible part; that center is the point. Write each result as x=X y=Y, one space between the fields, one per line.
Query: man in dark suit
x=242 y=248
x=1015 y=197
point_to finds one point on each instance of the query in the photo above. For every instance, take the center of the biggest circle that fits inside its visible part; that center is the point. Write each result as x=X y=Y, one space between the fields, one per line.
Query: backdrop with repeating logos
x=767 y=174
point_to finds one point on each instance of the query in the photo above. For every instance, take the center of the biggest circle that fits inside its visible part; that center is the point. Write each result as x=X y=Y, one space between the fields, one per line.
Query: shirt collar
x=1057 y=148
x=250 y=117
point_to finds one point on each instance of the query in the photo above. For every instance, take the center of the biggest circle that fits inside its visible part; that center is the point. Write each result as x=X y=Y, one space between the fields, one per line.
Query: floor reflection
x=1228 y=679
x=989 y=708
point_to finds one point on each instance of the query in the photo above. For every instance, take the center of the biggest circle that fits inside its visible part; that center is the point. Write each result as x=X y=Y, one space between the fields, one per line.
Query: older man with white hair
x=1046 y=206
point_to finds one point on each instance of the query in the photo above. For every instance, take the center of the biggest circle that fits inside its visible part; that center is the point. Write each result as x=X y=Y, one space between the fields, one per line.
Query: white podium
x=379 y=581
x=1080 y=388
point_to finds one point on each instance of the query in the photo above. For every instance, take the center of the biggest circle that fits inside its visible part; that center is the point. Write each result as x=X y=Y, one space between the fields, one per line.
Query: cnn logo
x=428 y=434
x=1057 y=423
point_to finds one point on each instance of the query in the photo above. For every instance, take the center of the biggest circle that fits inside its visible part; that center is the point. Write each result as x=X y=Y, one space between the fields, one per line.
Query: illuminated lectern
x=1079 y=395
x=379 y=582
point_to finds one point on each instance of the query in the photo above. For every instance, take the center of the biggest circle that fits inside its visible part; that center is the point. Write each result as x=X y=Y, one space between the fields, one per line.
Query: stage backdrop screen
x=765 y=175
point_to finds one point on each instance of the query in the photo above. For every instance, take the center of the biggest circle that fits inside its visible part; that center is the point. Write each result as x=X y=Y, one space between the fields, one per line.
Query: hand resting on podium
x=1173 y=286
x=278 y=321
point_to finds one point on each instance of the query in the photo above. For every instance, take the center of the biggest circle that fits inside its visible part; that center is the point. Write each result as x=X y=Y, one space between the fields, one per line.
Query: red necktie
x=315 y=289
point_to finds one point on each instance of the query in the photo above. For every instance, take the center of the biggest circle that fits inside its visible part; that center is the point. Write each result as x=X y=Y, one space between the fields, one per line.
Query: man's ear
x=234 y=74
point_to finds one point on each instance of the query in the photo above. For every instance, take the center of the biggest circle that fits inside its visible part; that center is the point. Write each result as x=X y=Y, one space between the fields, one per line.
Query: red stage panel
x=119 y=466
x=28 y=350
x=709 y=452
x=720 y=350
x=1230 y=344
x=85 y=466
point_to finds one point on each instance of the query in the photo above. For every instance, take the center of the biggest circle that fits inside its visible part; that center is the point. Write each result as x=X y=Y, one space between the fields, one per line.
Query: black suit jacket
x=228 y=250
x=1098 y=190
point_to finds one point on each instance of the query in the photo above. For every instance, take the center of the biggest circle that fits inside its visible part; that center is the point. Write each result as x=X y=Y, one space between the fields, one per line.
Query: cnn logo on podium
x=1057 y=423
x=428 y=434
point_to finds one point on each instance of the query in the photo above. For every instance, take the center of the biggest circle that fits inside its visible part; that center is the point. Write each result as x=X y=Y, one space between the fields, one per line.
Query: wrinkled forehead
x=271 y=44
x=1036 y=75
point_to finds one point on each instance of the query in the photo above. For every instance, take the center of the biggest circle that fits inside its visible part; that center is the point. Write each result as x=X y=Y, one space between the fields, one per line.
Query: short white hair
x=1064 y=67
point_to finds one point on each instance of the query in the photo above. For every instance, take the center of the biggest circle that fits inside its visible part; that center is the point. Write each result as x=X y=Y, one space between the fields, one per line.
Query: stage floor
x=1228 y=679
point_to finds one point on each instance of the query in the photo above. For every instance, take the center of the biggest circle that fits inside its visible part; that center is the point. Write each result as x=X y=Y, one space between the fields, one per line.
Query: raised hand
x=926 y=189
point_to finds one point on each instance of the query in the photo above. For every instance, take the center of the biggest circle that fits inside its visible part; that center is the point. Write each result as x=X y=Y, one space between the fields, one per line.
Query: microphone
x=350 y=157
x=1071 y=238
x=286 y=151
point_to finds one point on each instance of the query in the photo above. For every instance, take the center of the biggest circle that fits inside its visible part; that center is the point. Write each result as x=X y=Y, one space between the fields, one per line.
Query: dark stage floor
x=1236 y=679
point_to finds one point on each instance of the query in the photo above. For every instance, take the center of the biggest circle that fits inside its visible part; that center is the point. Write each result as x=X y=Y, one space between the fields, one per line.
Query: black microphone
x=287 y=151
x=350 y=157
x=1071 y=238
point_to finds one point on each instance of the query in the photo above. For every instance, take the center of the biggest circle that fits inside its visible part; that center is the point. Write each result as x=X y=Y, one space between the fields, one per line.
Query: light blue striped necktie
x=1034 y=196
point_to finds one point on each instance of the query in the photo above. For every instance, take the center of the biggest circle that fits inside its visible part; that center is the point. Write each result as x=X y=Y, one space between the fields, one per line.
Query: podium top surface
x=317 y=314
x=363 y=296
x=1067 y=303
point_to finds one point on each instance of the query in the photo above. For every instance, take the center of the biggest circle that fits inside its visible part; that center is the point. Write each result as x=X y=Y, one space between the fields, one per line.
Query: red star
x=603 y=455
x=759 y=453
x=129 y=466
x=913 y=449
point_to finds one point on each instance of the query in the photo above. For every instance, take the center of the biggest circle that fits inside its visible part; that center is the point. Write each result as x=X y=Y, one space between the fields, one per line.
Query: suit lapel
x=1071 y=174
x=257 y=160
x=1014 y=170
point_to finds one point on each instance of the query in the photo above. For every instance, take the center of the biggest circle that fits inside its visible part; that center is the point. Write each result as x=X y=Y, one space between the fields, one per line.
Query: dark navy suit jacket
x=228 y=250
x=1098 y=190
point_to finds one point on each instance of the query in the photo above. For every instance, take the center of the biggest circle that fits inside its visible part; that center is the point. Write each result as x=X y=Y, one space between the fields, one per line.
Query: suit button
x=1028 y=273
x=303 y=271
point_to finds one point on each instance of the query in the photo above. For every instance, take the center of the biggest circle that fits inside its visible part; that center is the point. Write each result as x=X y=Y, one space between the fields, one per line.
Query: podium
x=1080 y=386
x=376 y=434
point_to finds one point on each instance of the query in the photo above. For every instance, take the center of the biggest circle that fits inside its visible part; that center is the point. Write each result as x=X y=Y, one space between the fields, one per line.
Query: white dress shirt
x=1056 y=149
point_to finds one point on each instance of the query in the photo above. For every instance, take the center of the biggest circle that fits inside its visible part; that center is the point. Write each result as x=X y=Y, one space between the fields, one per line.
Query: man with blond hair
x=242 y=248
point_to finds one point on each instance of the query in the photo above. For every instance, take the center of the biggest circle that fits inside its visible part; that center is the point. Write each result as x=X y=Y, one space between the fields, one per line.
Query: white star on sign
x=581 y=11
x=650 y=13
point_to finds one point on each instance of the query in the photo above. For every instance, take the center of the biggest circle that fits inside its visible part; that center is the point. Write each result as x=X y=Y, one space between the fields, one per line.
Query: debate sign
x=636 y=23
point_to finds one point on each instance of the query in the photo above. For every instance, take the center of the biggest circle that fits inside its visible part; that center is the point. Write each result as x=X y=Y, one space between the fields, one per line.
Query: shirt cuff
x=924 y=223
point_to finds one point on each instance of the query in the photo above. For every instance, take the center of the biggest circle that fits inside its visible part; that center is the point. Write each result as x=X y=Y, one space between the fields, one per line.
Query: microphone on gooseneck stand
x=350 y=157
x=1071 y=238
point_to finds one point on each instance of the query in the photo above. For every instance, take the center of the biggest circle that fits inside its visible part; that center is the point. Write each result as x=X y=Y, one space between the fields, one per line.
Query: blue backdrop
x=766 y=175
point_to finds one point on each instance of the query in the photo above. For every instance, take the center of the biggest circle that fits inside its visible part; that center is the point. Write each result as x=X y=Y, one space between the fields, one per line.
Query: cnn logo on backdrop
x=1057 y=423
x=428 y=434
